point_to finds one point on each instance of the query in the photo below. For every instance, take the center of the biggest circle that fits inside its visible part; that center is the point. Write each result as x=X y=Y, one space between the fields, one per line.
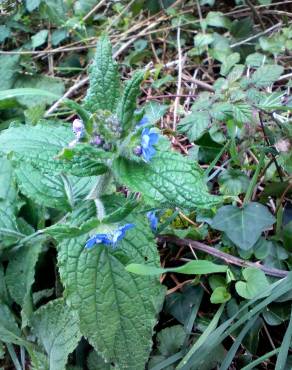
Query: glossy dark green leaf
x=243 y=225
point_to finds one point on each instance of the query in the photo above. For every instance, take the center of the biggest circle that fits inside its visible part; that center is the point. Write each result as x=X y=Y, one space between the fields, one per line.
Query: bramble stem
x=223 y=256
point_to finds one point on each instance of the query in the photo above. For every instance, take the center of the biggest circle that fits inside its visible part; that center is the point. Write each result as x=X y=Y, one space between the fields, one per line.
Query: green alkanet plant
x=97 y=230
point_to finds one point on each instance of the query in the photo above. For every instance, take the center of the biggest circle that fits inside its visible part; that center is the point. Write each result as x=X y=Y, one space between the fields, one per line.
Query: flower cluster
x=110 y=238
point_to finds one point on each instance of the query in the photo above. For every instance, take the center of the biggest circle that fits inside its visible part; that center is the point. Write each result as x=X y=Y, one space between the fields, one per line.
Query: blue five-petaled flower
x=143 y=121
x=153 y=220
x=148 y=139
x=110 y=238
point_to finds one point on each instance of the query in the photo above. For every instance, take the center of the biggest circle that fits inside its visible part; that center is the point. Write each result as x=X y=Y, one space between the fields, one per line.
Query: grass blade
x=259 y=360
x=211 y=327
x=284 y=349
x=232 y=351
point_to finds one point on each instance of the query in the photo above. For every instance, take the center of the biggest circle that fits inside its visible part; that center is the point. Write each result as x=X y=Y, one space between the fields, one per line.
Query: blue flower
x=111 y=238
x=143 y=121
x=78 y=128
x=153 y=220
x=148 y=139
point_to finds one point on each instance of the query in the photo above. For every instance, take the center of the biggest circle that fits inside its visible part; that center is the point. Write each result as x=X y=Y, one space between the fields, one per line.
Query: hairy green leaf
x=104 y=89
x=40 y=145
x=59 y=191
x=128 y=103
x=117 y=310
x=57 y=329
x=169 y=178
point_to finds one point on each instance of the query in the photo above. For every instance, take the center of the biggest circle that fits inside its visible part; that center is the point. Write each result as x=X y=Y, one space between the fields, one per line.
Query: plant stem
x=223 y=256
x=253 y=182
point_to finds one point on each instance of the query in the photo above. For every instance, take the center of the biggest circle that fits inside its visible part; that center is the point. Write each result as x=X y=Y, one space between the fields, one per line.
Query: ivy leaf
x=97 y=285
x=243 y=225
x=40 y=146
x=57 y=329
x=194 y=125
x=59 y=191
x=266 y=75
x=128 y=102
x=169 y=178
x=255 y=283
x=20 y=277
x=104 y=89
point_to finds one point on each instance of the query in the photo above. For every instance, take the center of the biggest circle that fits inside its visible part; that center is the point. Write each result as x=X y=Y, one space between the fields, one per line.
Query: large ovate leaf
x=117 y=310
x=128 y=103
x=59 y=191
x=56 y=327
x=104 y=89
x=20 y=274
x=243 y=225
x=40 y=146
x=169 y=178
